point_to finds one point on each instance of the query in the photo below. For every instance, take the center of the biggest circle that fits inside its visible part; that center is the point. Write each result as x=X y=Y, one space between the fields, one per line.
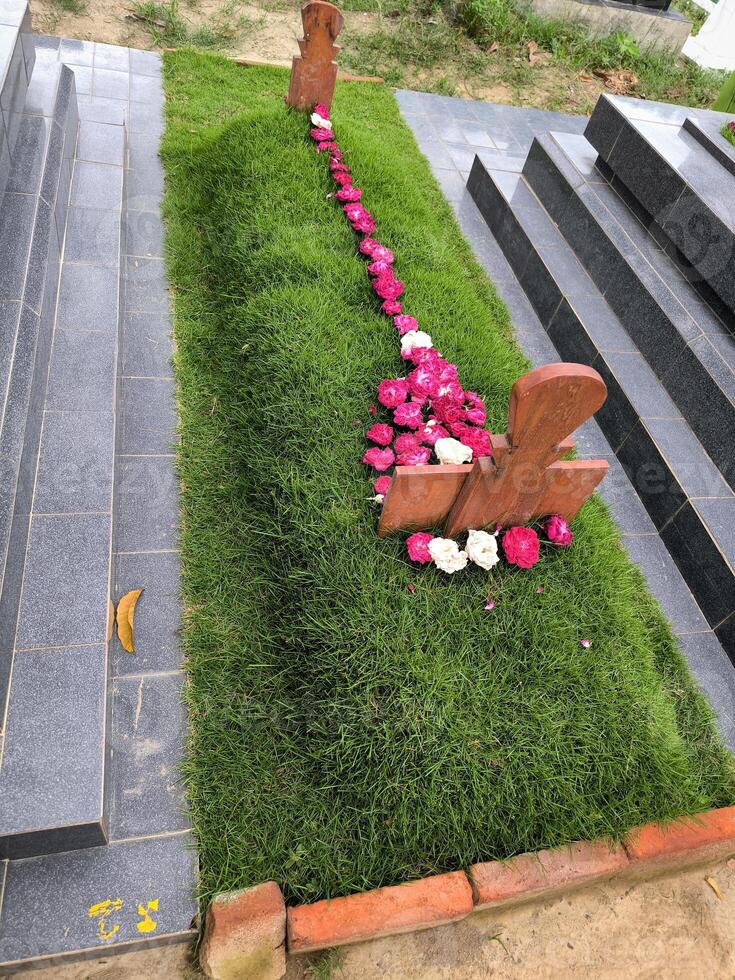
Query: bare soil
x=260 y=32
x=267 y=31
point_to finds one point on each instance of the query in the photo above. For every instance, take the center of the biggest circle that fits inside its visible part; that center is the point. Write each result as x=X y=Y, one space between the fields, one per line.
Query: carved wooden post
x=525 y=479
x=314 y=73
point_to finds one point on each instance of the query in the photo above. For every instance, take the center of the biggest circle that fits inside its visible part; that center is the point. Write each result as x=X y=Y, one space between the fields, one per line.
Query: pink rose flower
x=342 y=177
x=557 y=530
x=320 y=135
x=414 y=457
x=446 y=409
x=430 y=433
x=477 y=416
x=387 y=287
x=392 y=392
x=321 y=110
x=451 y=389
x=368 y=245
x=405 y=323
x=364 y=225
x=391 y=307
x=380 y=268
x=408 y=415
x=474 y=399
x=381 y=484
x=418 y=547
x=335 y=163
x=479 y=442
x=355 y=212
x=459 y=429
x=407 y=442
x=521 y=546
x=380 y=433
x=327 y=145
x=379 y=459
x=423 y=381
x=383 y=254
x=348 y=194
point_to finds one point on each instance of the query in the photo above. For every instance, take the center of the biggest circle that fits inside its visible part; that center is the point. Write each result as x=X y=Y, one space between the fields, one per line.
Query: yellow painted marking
x=148 y=924
x=103 y=911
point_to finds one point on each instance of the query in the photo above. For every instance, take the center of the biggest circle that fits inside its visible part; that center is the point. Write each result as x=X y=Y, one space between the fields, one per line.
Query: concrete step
x=56 y=733
x=683 y=491
x=689 y=348
x=685 y=192
x=17 y=57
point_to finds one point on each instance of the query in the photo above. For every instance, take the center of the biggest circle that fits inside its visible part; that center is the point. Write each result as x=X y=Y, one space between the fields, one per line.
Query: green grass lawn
x=346 y=732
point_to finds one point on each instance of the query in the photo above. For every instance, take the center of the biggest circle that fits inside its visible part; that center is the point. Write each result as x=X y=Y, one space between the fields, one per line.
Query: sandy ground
x=266 y=30
x=673 y=928
x=263 y=33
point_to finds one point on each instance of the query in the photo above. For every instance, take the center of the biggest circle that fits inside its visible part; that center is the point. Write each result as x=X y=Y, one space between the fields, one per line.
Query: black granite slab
x=669 y=322
x=663 y=458
x=708 y=132
x=682 y=186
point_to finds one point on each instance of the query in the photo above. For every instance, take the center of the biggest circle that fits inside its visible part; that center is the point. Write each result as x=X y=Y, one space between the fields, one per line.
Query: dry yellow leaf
x=126 y=617
x=712 y=882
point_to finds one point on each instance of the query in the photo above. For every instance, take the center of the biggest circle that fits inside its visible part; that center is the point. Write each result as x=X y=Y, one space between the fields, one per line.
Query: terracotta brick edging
x=244 y=922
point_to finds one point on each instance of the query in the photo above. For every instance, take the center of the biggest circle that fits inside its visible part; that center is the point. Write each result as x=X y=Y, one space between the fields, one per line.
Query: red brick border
x=646 y=851
x=416 y=905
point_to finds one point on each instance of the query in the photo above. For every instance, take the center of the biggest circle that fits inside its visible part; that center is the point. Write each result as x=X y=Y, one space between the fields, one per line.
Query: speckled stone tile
x=52 y=904
x=149 y=730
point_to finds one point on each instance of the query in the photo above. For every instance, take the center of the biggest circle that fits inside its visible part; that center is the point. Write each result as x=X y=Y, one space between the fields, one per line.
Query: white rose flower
x=415 y=338
x=446 y=555
x=452 y=451
x=320 y=121
x=482 y=549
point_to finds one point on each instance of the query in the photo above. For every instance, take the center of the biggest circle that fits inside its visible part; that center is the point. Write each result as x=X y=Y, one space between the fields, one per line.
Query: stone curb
x=647 y=851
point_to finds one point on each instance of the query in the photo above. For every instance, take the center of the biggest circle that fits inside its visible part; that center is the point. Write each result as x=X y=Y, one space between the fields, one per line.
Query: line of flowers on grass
x=454 y=431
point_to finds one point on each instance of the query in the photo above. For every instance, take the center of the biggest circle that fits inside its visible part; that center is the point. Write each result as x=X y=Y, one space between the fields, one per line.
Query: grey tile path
x=450 y=132
x=113 y=310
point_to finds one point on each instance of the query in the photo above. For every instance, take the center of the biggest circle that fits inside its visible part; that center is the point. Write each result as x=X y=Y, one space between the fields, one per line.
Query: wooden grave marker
x=525 y=479
x=314 y=72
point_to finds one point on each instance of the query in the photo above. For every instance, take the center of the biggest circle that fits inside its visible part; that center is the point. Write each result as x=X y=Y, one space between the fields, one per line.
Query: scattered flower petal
x=557 y=531
x=490 y=605
x=585 y=643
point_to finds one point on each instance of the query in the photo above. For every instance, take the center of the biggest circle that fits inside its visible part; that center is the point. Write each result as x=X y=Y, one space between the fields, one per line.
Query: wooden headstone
x=314 y=73
x=525 y=478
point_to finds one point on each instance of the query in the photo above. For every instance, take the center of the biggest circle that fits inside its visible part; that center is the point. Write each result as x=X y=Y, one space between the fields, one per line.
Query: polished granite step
x=689 y=502
x=708 y=132
x=685 y=192
x=17 y=57
x=688 y=346
x=32 y=218
x=55 y=657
